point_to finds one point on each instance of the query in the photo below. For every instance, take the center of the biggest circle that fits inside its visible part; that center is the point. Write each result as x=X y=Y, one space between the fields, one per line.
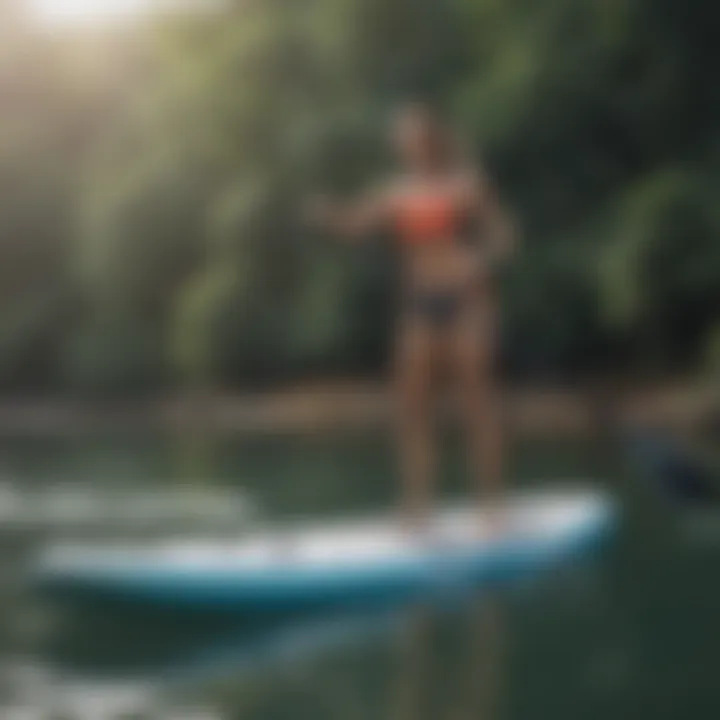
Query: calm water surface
x=633 y=634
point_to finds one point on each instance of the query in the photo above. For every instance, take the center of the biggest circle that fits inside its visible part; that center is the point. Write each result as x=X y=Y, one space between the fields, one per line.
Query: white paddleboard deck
x=313 y=563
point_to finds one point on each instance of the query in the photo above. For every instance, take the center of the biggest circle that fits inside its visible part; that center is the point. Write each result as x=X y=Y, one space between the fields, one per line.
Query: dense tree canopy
x=150 y=233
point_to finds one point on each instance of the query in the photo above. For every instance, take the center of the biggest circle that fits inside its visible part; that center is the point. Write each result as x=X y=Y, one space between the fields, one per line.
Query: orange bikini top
x=428 y=217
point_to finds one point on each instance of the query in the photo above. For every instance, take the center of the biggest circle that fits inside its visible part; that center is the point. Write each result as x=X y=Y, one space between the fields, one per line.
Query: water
x=631 y=635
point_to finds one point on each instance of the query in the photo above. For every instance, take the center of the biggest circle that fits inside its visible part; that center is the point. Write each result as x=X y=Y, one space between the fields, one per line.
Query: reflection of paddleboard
x=354 y=563
x=235 y=651
x=236 y=654
x=287 y=645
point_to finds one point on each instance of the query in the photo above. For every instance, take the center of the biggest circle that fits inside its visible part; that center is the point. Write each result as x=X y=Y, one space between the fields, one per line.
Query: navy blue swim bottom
x=436 y=307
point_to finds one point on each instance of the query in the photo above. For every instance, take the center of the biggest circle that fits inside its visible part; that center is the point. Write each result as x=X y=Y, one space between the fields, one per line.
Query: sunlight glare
x=87 y=12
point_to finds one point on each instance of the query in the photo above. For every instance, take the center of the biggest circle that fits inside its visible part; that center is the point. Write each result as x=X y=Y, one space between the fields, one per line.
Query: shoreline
x=355 y=406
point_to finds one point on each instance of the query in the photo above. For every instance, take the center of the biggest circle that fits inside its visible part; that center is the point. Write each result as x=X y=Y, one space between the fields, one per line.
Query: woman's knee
x=474 y=370
x=413 y=381
x=413 y=390
x=476 y=387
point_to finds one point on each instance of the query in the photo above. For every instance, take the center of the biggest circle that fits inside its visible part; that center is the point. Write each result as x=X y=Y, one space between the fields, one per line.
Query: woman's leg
x=474 y=357
x=414 y=375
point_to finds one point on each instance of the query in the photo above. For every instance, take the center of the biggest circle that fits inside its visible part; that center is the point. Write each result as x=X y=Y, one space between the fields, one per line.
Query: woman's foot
x=492 y=518
x=416 y=524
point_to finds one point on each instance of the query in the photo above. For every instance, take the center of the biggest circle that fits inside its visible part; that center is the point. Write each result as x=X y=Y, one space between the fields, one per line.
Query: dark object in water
x=712 y=424
x=672 y=469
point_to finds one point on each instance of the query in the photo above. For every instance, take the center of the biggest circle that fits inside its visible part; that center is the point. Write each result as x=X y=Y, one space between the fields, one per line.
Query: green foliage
x=150 y=234
x=662 y=270
x=712 y=353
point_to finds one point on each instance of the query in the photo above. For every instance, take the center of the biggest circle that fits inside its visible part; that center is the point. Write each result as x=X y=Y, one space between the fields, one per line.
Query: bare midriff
x=439 y=265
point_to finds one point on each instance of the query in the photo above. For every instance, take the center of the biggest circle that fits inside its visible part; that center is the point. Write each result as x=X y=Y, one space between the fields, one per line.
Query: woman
x=453 y=235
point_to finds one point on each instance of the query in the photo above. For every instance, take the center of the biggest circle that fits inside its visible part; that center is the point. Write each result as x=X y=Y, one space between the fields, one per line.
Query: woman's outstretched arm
x=354 y=218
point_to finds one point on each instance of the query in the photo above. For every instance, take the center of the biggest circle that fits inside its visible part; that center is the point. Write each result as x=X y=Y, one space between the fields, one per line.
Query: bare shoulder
x=393 y=191
x=397 y=187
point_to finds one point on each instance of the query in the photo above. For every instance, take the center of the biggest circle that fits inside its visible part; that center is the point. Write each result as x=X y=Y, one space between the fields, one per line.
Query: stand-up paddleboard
x=356 y=563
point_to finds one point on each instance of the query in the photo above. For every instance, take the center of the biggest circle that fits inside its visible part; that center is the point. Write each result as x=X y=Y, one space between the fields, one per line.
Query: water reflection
x=474 y=686
x=84 y=507
x=111 y=665
x=345 y=666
